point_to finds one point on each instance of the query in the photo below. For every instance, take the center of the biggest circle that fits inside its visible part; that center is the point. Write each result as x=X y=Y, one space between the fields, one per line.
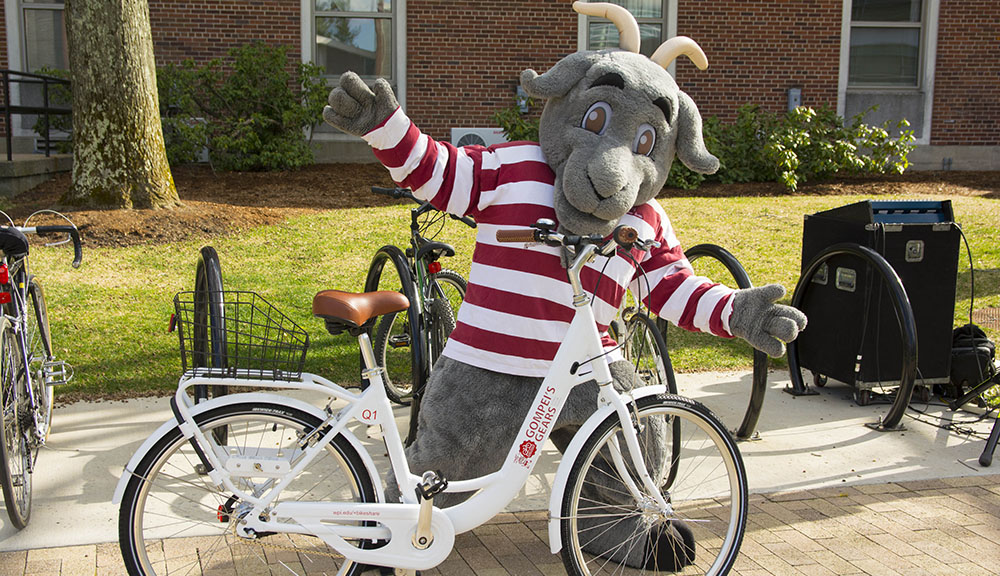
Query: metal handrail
x=43 y=110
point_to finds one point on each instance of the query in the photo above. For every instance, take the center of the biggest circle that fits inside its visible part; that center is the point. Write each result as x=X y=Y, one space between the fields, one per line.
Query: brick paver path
x=937 y=527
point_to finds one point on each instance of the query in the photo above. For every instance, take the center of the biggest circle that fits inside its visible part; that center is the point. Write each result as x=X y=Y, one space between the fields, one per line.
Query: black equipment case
x=853 y=335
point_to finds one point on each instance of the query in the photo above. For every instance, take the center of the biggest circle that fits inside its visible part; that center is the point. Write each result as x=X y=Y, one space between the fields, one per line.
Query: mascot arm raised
x=357 y=109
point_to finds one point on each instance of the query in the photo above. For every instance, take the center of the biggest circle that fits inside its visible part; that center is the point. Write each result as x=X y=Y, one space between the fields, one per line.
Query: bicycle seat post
x=368 y=355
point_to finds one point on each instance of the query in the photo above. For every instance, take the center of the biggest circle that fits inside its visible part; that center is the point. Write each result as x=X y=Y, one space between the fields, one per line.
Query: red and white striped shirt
x=519 y=302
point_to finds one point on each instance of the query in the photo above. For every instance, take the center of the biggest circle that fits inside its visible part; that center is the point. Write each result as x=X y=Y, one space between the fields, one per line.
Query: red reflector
x=4 y=274
x=434 y=267
x=173 y=323
x=4 y=297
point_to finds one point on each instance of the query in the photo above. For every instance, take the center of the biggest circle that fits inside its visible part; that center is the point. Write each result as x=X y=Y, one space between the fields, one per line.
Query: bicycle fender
x=569 y=457
x=240 y=399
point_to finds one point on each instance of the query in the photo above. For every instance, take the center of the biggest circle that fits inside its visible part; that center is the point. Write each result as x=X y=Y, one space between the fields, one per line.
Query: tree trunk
x=119 y=157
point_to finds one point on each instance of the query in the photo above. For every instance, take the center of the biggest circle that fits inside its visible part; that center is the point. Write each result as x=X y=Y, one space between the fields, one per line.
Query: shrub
x=804 y=144
x=760 y=146
x=515 y=124
x=248 y=114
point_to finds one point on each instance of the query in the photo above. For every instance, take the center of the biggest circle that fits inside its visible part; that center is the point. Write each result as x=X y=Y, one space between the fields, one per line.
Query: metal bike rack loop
x=904 y=316
x=759 y=386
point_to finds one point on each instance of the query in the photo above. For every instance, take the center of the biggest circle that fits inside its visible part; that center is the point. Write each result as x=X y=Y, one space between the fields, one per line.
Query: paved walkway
x=930 y=527
x=829 y=495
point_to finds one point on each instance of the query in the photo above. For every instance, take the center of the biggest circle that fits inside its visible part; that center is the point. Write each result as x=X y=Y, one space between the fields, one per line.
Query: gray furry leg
x=468 y=420
x=609 y=530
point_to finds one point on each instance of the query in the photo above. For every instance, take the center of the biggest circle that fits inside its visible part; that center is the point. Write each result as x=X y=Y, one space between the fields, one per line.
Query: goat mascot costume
x=612 y=123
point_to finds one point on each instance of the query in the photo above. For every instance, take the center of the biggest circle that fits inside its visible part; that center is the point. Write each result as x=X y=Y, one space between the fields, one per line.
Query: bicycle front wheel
x=172 y=519
x=607 y=531
x=15 y=450
x=39 y=339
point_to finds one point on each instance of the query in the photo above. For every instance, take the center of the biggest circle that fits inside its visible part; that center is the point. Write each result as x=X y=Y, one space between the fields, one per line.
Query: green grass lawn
x=110 y=317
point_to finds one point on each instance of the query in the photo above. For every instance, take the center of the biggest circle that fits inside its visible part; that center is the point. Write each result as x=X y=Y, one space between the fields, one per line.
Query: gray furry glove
x=765 y=325
x=355 y=108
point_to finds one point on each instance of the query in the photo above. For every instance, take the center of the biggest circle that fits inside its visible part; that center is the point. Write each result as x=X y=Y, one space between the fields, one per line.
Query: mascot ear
x=565 y=74
x=690 y=143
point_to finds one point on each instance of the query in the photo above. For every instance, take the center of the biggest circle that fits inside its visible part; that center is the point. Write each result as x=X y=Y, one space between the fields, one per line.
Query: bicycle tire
x=15 y=451
x=713 y=498
x=393 y=334
x=39 y=339
x=167 y=496
x=397 y=340
x=447 y=291
x=209 y=333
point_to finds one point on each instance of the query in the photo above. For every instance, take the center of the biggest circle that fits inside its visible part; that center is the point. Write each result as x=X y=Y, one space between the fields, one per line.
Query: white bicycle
x=260 y=483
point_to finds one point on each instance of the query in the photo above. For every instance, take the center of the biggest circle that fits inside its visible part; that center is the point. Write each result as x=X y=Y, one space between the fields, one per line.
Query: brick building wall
x=205 y=29
x=967 y=74
x=464 y=57
x=758 y=50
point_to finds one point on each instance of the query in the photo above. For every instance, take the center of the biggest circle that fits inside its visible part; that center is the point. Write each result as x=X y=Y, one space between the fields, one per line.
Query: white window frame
x=308 y=44
x=16 y=49
x=925 y=72
x=669 y=23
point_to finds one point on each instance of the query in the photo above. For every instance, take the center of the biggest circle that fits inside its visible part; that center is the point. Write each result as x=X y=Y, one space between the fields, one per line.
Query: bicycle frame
x=18 y=270
x=580 y=358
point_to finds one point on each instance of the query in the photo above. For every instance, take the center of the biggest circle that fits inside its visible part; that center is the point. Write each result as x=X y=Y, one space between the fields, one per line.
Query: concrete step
x=26 y=171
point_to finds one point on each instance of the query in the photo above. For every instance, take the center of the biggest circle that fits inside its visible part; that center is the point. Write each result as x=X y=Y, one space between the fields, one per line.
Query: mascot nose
x=608 y=171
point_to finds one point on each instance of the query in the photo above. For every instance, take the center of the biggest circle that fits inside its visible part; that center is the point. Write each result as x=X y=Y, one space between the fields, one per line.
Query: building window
x=355 y=35
x=651 y=15
x=44 y=35
x=885 y=44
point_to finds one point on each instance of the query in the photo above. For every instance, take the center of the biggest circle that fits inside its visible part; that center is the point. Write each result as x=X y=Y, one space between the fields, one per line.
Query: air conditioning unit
x=477 y=136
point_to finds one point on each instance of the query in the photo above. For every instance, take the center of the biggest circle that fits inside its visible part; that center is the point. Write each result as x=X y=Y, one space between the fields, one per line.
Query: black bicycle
x=408 y=343
x=28 y=367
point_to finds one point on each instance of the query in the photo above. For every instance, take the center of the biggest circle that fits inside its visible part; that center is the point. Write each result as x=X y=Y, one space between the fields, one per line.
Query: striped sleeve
x=435 y=171
x=674 y=291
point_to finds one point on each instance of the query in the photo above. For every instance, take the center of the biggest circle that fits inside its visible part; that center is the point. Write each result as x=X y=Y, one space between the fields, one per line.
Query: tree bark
x=119 y=157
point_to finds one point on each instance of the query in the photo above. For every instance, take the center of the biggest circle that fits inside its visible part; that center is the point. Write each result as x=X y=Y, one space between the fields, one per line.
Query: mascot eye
x=597 y=118
x=645 y=138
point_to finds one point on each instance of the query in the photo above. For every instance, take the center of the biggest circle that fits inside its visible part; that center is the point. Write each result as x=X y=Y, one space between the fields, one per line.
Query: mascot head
x=612 y=123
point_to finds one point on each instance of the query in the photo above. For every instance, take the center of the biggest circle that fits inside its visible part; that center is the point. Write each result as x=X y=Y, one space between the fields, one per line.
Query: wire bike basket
x=236 y=334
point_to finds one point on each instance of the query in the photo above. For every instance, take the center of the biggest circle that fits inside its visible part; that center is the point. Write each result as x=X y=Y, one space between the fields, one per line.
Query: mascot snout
x=596 y=187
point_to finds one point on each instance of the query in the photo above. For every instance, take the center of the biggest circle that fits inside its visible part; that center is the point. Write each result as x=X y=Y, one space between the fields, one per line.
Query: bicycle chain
x=262 y=544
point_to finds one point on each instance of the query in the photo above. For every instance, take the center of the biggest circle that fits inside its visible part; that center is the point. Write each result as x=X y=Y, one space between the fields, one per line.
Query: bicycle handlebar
x=399 y=193
x=625 y=236
x=74 y=234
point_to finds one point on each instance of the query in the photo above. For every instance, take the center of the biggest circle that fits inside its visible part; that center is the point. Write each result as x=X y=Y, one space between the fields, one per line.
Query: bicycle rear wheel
x=397 y=338
x=15 y=449
x=209 y=321
x=447 y=291
x=172 y=520
x=605 y=531
x=39 y=339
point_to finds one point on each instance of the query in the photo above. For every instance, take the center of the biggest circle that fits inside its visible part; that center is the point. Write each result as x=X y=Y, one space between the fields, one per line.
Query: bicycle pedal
x=432 y=484
x=57 y=372
x=400 y=341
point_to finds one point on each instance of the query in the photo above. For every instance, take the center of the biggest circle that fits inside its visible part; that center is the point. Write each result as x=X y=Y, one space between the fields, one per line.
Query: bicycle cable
x=593 y=296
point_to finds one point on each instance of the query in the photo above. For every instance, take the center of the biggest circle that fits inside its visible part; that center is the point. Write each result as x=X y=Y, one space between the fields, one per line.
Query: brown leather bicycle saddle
x=351 y=310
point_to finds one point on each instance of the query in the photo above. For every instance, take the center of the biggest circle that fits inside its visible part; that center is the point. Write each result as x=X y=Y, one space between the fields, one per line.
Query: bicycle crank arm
x=335 y=523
